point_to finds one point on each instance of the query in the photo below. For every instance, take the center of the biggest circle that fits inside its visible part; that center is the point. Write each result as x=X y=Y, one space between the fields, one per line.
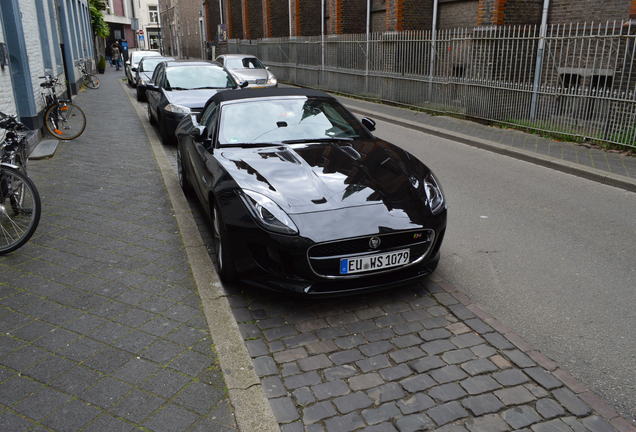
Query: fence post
x=431 y=70
x=366 y=54
x=322 y=41
x=539 y=64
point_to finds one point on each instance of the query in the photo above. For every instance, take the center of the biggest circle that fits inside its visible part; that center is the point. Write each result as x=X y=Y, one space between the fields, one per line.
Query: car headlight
x=268 y=213
x=177 y=109
x=434 y=194
x=272 y=80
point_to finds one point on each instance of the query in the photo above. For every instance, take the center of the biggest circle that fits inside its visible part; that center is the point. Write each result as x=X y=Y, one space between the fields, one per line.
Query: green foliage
x=100 y=27
x=101 y=64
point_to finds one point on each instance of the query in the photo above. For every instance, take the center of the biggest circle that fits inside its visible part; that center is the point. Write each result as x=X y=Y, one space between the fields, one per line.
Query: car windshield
x=149 y=64
x=198 y=77
x=286 y=120
x=243 y=63
x=136 y=56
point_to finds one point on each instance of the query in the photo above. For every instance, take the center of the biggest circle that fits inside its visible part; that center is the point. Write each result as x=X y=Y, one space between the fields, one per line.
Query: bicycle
x=20 y=205
x=88 y=79
x=62 y=118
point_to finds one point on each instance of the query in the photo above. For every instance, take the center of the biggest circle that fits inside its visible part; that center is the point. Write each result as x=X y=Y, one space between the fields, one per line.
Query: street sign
x=140 y=32
x=141 y=38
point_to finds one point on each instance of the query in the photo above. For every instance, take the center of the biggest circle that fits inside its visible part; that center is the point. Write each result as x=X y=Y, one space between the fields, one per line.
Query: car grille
x=324 y=258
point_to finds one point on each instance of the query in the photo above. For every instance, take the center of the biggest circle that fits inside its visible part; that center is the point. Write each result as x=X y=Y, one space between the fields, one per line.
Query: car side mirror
x=368 y=123
x=151 y=87
x=243 y=84
x=199 y=133
x=134 y=69
x=266 y=67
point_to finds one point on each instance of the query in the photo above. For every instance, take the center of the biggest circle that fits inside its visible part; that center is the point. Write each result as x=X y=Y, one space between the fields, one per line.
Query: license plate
x=374 y=262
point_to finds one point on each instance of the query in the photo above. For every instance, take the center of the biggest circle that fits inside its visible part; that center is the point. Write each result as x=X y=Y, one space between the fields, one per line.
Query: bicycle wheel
x=91 y=81
x=20 y=209
x=65 y=120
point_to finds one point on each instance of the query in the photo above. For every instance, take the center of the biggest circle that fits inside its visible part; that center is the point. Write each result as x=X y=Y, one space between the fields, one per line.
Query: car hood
x=304 y=178
x=190 y=98
x=250 y=75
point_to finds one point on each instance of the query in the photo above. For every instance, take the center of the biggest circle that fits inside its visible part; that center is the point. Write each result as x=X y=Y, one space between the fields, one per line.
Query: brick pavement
x=101 y=325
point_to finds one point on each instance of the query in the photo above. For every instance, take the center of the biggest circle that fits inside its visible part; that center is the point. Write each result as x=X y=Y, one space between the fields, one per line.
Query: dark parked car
x=179 y=88
x=143 y=74
x=302 y=197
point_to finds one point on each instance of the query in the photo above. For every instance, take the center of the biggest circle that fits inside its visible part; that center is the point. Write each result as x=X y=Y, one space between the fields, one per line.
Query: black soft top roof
x=231 y=95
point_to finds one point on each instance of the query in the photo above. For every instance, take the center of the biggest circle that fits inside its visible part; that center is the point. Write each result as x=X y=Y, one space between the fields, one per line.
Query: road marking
x=251 y=407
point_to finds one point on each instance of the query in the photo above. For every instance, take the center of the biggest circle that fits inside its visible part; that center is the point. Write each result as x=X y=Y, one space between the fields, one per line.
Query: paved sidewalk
x=101 y=325
x=611 y=162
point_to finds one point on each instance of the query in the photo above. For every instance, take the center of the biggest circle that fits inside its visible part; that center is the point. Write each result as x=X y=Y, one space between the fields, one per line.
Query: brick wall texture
x=252 y=16
x=275 y=18
x=349 y=16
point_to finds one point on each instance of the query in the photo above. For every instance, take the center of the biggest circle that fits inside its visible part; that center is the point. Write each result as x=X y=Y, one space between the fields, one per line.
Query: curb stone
x=592 y=399
x=252 y=409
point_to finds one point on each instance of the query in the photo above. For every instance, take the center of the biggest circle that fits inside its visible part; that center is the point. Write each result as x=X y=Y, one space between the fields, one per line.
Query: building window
x=154 y=14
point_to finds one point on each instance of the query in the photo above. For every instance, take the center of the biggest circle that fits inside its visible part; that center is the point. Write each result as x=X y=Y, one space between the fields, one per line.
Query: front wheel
x=91 y=81
x=182 y=174
x=223 y=255
x=20 y=209
x=65 y=120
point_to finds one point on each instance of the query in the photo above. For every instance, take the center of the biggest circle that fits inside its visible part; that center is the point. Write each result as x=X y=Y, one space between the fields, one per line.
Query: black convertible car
x=302 y=197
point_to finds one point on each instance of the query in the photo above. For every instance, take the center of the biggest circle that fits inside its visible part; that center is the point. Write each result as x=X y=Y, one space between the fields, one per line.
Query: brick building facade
x=182 y=28
x=251 y=19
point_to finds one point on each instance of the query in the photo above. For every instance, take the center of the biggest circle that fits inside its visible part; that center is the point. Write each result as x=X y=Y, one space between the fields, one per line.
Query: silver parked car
x=248 y=68
x=134 y=57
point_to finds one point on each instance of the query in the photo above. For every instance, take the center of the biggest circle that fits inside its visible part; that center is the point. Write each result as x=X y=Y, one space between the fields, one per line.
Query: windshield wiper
x=205 y=88
x=179 y=88
x=312 y=140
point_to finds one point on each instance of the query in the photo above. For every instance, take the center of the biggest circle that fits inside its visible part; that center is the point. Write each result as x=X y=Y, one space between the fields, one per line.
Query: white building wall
x=7 y=101
x=33 y=46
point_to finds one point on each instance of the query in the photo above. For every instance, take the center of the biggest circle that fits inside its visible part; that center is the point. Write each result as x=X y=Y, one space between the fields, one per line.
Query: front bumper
x=281 y=263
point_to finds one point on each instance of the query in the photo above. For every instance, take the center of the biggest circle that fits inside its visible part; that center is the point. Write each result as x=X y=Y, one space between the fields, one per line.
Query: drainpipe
x=539 y=65
x=221 y=12
x=431 y=69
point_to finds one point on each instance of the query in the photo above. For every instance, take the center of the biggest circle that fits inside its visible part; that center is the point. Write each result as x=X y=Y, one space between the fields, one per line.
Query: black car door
x=154 y=96
x=201 y=153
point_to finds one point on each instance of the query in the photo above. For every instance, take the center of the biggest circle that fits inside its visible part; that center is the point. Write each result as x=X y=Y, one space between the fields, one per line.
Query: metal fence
x=578 y=80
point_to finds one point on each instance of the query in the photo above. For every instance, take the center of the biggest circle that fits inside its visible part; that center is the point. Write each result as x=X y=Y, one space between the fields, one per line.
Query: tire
x=20 y=211
x=166 y=139
x=65 y=120
x=141 y=97
x=182 y=174
x=151 y=119
x=91 y=81
x=222 y=253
